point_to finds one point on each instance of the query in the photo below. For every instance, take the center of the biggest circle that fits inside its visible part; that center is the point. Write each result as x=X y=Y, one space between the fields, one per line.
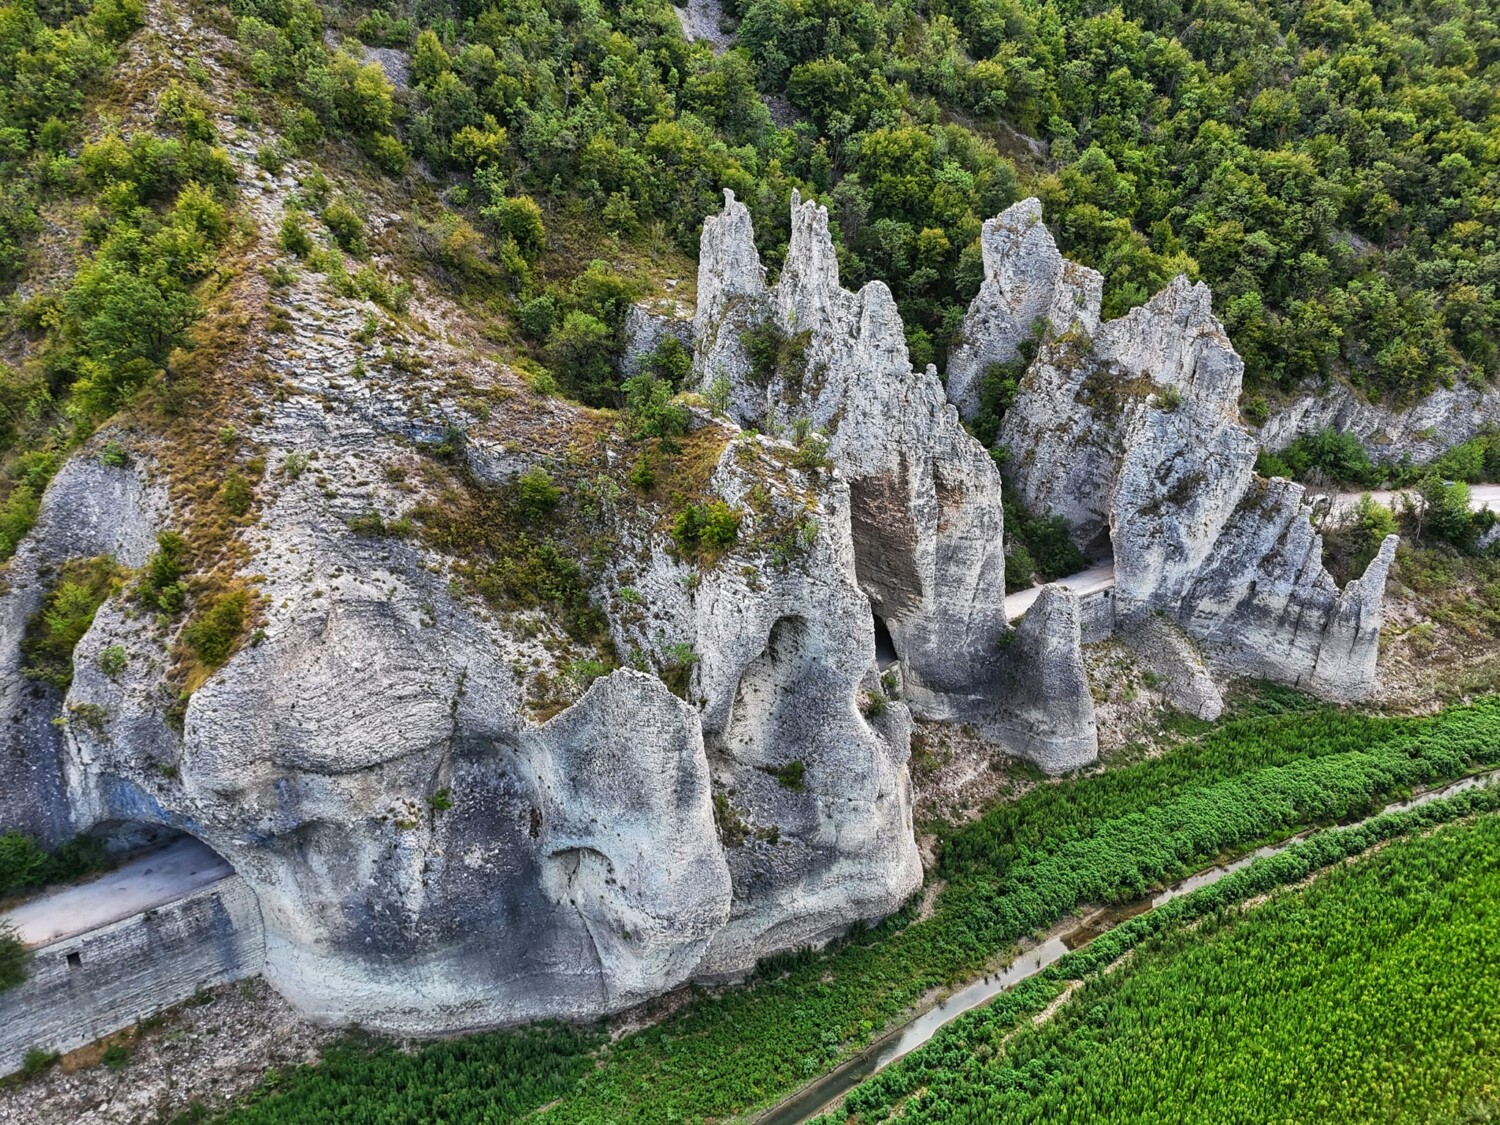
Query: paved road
x=1480 y=496
x=153 y=880
x=1101 y=576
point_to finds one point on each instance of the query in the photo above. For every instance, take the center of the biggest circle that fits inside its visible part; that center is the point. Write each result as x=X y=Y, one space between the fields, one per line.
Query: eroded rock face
x=928 y=526
x=1028 y=287
x=1422 y=430
x=1132 y=433
x=427 y=855
x=90 y=509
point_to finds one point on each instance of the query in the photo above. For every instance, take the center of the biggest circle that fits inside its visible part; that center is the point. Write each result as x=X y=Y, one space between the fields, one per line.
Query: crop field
x=1103 y=838
x=1366 y=996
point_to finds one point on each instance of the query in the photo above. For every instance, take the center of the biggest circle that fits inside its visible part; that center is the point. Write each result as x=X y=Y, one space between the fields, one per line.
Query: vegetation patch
x=79 y=589
x=1360 y=996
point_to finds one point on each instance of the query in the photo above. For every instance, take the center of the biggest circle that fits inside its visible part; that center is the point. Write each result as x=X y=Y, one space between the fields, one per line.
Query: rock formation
x=1132 y=433
x=90 y=509
x=928 y=525
x=1421 y=430
x=433 y=849
x=1027 y=285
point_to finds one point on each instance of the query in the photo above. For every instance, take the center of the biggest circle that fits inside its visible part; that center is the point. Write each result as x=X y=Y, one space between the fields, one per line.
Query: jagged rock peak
x=926 y=512
x=811 y=272
x=1132 y=434
x=729 y=263
x=1176 y=340
x=1027 y=281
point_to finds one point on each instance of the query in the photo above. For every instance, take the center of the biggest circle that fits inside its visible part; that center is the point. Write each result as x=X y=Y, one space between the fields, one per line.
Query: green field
x=1368 y=996
x=1279 y=767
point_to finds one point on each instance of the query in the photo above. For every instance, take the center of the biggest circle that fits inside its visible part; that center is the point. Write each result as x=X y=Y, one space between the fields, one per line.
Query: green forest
x=1327 y=168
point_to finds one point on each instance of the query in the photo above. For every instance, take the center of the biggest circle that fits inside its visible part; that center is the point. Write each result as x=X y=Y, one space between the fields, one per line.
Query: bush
x=581 y=352
x=293 y=237
x=1350 y=544
x=347 y=228
x=712 y=526
x=536 y=494
x=791 y=775
x=1326 y=458
x=1020 y=568
x=520 y=220
x=113 y=659
x=24 y=865
x=236 y=493
x=13 y=968
x=38 y=1061
x=161 y=587
x=213 y=635
x=538 y=315
x=65 y=615
x=648 y=400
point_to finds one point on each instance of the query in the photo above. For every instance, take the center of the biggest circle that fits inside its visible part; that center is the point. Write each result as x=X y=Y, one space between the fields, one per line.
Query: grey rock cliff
x=88 y=510
x=426 y=854
x=1028 y=285
x=1132 y=433
x=926 y=515
x=1420 y=430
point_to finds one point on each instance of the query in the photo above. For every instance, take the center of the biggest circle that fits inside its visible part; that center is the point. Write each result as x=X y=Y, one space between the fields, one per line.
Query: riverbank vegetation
x=1362 y=996
x=1281 y=765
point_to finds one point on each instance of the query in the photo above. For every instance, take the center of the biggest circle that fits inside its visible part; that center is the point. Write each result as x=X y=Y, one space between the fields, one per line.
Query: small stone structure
x=82 y=988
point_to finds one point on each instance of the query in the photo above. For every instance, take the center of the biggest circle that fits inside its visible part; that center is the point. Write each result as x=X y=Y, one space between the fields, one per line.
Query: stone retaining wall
x=84 y=987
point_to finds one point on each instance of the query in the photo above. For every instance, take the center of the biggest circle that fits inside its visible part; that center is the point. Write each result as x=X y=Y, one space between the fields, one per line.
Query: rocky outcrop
x=1028 y=287
x=426 y=852
x=1044 y=710
x=649 y=325
x=90 y=509
x=432 y=845
x=1132 y=433
x=1421 y=431
x=808 y=356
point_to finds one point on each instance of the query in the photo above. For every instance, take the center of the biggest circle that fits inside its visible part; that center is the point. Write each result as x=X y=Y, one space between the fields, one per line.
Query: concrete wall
x=1097 y=615
x=131 y=969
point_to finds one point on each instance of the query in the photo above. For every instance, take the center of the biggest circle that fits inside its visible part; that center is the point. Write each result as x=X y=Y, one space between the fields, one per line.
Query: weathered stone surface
x=1420 y=430
x=648 y=326
x=1163 y=649
x=89 y=509
x=927 y=522
x=1133 y=435
x=1028 y=285
x=1045 y=711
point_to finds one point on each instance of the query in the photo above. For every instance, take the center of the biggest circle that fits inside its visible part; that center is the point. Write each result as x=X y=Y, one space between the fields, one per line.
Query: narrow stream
x=813 y=1099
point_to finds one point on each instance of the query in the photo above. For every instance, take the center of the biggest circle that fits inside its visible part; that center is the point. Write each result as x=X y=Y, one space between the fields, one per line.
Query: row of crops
x=1367 y=996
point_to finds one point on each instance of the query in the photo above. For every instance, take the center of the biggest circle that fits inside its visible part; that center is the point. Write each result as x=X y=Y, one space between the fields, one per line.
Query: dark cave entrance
x=885 y=645
x=147 y=849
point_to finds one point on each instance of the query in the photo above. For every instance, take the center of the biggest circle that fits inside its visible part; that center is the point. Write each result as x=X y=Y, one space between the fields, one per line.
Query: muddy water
x=819 y=1095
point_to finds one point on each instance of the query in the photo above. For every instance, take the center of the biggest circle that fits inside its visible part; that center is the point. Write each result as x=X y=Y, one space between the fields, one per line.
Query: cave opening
x=151 y=853
x=885 y=644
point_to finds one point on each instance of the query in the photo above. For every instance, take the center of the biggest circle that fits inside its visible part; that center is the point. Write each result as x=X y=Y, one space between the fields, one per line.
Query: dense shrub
x=215 y=631
x=65 y=615
x=24 y=865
